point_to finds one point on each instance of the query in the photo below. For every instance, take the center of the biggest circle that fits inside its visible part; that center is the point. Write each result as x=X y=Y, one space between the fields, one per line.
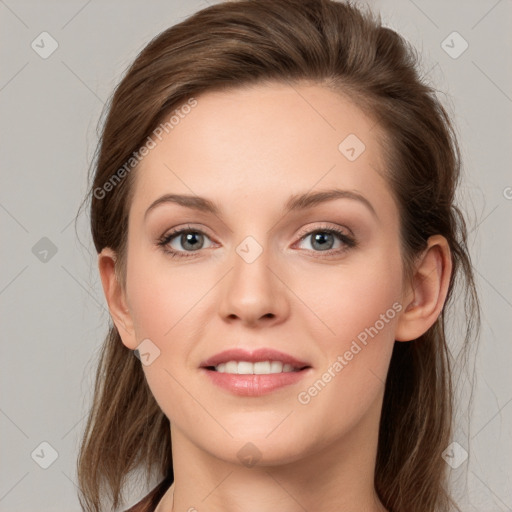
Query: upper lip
x=253 y=356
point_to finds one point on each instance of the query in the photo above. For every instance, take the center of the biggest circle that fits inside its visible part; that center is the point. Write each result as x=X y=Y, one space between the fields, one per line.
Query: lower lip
x=254 y=385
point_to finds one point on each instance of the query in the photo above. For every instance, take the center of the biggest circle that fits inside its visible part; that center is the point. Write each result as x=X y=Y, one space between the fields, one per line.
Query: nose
x=253 y=292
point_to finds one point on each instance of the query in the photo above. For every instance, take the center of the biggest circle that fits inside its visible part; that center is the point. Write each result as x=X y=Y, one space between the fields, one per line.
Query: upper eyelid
x=326 y=227
x=323 y=225
x=180 y=230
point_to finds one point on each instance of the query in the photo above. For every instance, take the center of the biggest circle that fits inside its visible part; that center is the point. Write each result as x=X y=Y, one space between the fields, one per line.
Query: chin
x=260 y=452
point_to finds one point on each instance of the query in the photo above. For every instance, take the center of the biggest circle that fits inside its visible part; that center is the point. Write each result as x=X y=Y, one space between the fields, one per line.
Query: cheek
x=349 y=300
x=160 y=297
x=359 y=310
x=167 y=303
x=164 y=303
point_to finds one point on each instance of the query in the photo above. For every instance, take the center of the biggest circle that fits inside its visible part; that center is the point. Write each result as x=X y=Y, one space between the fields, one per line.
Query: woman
x=273 y=209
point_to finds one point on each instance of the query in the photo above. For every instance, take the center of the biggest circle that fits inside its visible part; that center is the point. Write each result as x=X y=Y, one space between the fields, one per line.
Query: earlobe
x=116 y=297
x=425 y=299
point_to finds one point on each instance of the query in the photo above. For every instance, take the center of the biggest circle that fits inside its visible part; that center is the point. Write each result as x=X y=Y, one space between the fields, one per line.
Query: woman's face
x=265 y=272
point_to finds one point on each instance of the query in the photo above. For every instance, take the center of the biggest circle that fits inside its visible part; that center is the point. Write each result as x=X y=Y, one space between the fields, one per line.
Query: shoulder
x=151 y=500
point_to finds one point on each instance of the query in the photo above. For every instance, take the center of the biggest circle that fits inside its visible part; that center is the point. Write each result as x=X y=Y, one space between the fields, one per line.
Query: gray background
x=54 y=315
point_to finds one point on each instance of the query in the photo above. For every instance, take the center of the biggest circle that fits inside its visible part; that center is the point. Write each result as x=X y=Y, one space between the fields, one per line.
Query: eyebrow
x=296 y=202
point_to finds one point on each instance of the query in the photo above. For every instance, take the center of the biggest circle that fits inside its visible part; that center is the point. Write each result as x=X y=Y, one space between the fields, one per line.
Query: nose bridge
x=252 y=290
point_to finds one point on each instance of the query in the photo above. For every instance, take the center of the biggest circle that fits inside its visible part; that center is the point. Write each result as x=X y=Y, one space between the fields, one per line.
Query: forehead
x=240 y=146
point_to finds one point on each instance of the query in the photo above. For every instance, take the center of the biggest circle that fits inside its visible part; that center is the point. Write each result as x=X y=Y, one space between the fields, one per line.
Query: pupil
x=321 y=237
x=189 y=237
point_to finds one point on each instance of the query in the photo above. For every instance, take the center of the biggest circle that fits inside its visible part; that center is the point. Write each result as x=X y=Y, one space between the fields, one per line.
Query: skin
x=237 y=148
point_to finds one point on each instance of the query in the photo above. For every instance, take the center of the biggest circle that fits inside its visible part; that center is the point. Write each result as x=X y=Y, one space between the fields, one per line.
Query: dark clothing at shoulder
x=151 y=500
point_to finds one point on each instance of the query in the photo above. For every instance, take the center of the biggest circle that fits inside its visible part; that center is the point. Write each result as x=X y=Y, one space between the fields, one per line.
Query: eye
x=324 y=239
x=179 y=242
x=191 y=240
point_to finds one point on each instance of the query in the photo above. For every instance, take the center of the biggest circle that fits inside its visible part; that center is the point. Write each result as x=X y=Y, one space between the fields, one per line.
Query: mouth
x=254 y=373
x=262 y=361
x=257 y=368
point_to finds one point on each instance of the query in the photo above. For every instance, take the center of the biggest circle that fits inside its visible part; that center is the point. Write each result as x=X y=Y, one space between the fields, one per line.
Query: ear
x=116 y=297
x=424 y=298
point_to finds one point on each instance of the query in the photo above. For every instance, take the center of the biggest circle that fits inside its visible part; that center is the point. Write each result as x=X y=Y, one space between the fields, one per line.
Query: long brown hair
x=334 y=44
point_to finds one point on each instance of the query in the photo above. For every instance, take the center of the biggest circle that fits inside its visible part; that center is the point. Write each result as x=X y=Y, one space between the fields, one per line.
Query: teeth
x=230 y=367
x=259 y=368
x=245 y=368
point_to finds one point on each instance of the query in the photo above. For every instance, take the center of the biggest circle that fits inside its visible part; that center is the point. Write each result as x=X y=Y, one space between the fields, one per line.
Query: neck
x=337 y=477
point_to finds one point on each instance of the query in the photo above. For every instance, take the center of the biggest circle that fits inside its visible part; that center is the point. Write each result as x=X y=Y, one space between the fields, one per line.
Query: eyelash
x=348 y=241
